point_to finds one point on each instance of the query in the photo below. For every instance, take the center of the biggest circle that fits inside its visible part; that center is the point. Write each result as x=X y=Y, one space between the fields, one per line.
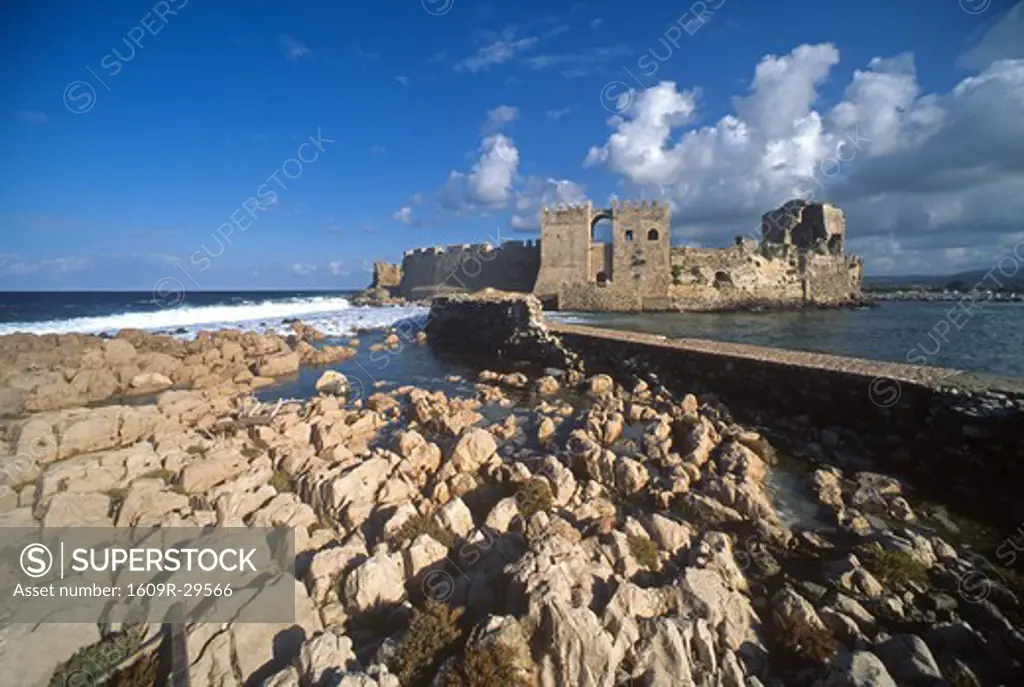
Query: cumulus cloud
x=537 y=192
x=939 y=175
x=489 y=183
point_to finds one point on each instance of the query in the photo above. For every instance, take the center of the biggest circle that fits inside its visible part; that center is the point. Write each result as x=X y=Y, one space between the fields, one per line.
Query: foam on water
x=331 y=315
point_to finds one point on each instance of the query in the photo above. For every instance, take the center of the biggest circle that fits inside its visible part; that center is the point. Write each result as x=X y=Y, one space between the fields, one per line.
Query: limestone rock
x=859 y=669
x=473 y=449
x=455 y=516
x=378 y=580
x=149 y=382
x=332 y=383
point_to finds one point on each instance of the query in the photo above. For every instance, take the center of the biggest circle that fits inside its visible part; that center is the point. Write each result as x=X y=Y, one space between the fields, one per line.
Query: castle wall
x=513 y=266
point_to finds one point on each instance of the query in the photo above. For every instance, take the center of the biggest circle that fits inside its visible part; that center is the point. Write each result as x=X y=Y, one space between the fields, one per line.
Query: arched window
x=652 y=235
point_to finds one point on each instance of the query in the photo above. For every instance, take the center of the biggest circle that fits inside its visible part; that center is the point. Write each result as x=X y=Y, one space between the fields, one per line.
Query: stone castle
x=798 y=261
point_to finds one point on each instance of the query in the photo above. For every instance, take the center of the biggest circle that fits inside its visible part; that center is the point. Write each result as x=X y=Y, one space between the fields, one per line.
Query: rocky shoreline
x=553 y=527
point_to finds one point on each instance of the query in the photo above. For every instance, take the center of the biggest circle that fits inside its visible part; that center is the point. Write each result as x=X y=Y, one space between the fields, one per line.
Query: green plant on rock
x=644 y=551
x=893 y=567
x=160 y=473
x=117 y=497
x=534 y=496
x=145 y=672
x=485 y=666
x=92 y=664
x=433 y=630
x=806 y=642
x=423 y=524
x=282 y=482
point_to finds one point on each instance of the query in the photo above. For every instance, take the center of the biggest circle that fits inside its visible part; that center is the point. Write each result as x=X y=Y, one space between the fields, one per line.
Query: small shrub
x=166 y=475
x=534 y=496
x=893 y=567
x=432 y=632
x=145 y=672
x=644 y=551
x=90 y=664
x=486 y=666
x=117 y=497
x=423 y=524
x=811 y=644
x=251 y=452
x=196 y=450
x=282 y=482
x=20 y=486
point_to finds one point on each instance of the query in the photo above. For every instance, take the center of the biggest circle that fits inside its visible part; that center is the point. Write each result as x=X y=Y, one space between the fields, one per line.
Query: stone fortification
x=799 y=261
x=512 y=266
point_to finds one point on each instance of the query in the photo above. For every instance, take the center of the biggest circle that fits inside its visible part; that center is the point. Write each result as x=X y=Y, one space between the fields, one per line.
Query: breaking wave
x=335 y=316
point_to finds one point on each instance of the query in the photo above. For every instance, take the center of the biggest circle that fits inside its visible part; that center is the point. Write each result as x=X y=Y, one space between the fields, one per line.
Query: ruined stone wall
x=832 y=279
x=386 y=275
x=512 y=266
x=739 y=277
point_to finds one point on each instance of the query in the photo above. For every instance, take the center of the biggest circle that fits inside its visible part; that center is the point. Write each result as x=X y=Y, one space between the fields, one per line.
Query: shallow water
x=989 y=340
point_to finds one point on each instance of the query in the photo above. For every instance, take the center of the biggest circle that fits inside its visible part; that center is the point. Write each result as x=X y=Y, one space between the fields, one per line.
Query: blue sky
x=450 y=121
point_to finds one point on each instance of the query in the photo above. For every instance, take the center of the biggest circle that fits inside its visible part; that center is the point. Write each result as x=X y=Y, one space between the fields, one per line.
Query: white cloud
x=489 y=183
x=499 y=117
x=538 y=192
x=404 y=80
x=32 y=117
x=337 y=268
x=15 y=265
x=931 y=173
x=594 y=23
x=294 y=49
x=404 y=215
x=303 y=269
x=555 y=115
x=496 y=52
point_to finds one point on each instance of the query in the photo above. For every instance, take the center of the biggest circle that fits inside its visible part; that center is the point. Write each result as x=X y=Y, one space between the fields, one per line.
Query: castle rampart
x=799 y=261
x=512 y=266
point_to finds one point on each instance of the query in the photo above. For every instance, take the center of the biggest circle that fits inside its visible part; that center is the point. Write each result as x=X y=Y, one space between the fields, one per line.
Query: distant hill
x=970 y=278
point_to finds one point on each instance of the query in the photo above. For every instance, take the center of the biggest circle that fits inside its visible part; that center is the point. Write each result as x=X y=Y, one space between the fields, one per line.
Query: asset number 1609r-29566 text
x=183 y=590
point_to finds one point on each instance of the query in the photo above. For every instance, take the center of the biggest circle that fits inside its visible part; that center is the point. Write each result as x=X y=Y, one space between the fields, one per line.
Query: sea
x=987 y=339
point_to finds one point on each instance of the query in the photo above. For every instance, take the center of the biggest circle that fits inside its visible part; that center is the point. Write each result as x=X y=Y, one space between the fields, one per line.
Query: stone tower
x=564 y=247
x=642 y=247
x=635 y=269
